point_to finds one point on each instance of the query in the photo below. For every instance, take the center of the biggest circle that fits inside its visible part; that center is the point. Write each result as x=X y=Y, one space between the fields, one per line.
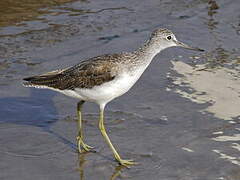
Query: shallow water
x=181 y=120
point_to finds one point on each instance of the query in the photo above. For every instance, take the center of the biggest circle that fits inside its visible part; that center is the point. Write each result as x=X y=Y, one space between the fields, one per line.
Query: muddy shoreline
x=181 y=120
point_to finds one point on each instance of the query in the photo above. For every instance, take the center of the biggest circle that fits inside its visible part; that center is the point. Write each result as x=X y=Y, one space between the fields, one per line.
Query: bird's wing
x=86 y=74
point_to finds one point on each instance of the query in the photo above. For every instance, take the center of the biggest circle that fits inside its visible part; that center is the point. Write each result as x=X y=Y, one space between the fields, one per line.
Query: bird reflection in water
x=81 y=159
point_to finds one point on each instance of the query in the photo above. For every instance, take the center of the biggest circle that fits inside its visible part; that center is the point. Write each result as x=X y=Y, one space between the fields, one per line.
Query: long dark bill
x=187 y=46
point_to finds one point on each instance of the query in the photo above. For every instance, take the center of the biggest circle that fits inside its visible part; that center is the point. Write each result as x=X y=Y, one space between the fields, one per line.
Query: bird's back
x=85 y=75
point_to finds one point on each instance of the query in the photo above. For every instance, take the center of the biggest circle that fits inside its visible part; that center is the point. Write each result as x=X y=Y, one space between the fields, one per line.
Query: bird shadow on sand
x=37 y=110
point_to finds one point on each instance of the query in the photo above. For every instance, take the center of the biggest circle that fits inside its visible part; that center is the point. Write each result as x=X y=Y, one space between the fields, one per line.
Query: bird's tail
x=47 y=80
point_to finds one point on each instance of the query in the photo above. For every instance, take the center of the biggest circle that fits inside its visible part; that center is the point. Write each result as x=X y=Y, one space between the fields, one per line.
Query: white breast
x=107 y=91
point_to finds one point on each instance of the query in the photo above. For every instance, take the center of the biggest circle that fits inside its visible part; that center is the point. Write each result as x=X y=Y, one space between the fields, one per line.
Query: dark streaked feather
x=86 y=74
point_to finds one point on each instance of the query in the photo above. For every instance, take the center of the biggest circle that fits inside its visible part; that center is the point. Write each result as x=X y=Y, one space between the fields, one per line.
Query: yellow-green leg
x=80 y=142
x=104 y=134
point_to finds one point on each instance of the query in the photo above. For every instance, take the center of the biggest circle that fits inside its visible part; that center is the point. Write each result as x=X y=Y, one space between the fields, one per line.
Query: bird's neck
x=143 y=56
x=148 y=51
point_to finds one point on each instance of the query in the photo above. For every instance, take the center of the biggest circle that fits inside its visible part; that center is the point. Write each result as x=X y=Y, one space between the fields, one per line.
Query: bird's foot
x=82 y=145
x=126 y=163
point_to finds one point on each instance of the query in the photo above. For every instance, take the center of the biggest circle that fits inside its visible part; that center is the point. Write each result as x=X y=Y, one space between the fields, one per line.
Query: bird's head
x=164 y=38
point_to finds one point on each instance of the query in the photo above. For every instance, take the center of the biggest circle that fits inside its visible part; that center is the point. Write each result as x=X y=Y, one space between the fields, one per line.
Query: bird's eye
x=169 y=37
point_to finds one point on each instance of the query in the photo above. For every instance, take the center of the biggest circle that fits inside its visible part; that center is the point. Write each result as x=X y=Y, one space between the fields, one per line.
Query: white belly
x=107 y=91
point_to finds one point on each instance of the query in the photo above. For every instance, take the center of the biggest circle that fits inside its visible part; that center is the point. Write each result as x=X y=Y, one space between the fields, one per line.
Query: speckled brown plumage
x=87 y=74
x=101 y=69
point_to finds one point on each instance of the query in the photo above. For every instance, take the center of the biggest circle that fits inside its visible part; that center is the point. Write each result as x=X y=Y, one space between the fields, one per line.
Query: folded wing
x=87 y=74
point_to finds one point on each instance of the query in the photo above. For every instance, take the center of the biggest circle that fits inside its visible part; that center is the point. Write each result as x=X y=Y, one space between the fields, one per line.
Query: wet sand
x=179 y=122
